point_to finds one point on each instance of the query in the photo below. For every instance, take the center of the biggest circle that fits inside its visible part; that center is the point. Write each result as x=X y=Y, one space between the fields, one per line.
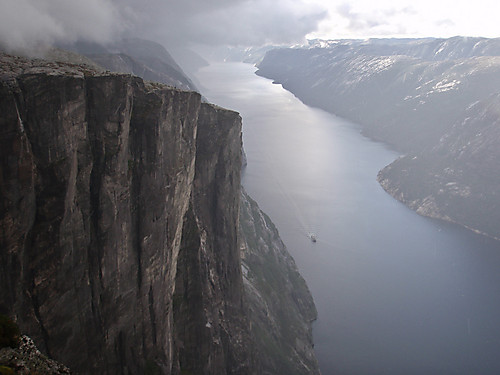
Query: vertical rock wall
x=98 y=192
x=209 y=313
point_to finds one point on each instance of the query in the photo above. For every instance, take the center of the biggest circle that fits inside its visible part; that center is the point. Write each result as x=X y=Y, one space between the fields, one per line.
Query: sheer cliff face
x=108 y=201
x=212 y=331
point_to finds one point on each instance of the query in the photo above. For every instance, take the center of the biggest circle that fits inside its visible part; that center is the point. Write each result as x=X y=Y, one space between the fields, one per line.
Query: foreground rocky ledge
x=27 y=359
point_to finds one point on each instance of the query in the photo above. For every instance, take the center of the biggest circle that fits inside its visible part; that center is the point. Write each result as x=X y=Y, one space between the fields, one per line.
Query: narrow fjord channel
x=396 y=293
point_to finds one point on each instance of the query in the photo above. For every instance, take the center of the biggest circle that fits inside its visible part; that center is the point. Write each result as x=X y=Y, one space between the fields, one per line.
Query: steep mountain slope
x=417 y=103
x=281 y=307
x=143 y=58
x=456 y=179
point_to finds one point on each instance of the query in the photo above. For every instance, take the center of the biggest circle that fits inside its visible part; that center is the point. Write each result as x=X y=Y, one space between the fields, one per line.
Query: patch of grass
x=9 y=332
x=151 y=368
x=6 y=370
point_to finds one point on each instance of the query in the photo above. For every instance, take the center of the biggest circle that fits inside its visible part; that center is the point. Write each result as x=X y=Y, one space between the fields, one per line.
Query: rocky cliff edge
x=109 y=201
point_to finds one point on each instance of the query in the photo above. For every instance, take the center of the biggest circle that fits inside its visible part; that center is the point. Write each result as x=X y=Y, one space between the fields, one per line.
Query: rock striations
x=119 y=240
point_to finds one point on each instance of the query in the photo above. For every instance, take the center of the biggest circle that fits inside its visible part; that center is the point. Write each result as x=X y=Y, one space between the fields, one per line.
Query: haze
x=27 y=23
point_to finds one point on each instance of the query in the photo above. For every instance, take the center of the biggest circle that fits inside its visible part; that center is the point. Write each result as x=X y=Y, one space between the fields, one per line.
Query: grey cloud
x=255 y=22
x=26 y=23
x=237 y=22
x=380 y=20
x=357 y=21
x=445 y=23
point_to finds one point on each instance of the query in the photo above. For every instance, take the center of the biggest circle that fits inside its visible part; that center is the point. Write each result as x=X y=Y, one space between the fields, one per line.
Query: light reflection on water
x=396 y=293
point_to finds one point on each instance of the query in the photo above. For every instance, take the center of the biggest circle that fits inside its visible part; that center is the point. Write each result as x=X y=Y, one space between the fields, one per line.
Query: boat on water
x=312 y=236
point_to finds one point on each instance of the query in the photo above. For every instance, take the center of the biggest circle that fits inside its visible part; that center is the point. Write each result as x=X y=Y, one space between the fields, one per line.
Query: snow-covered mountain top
x=425 y=48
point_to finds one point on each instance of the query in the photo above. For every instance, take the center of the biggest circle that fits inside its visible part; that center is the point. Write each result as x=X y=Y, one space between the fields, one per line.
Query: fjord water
x=396 y=293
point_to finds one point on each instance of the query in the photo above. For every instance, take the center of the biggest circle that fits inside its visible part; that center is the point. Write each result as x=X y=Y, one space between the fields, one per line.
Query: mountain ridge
x=415 y=105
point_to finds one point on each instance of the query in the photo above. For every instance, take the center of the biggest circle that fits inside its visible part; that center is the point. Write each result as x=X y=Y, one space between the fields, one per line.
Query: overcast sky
x=241 y=22
x=410 y=18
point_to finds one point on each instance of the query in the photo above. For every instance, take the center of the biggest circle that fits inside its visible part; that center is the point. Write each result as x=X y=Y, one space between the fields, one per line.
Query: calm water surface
x=396 y=293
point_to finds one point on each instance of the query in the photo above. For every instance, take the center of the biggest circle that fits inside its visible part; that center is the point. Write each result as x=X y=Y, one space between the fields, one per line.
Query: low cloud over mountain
x=28 y=23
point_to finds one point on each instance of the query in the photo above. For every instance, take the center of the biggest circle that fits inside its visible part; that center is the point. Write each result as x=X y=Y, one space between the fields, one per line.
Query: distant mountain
x=251 y=55
x=144 y=58
x=432 y=49
x=189 y=60
x=435 y=100
x=458 y=177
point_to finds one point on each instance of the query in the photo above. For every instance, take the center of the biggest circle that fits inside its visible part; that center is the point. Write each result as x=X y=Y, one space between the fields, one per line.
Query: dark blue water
x=396 y=293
